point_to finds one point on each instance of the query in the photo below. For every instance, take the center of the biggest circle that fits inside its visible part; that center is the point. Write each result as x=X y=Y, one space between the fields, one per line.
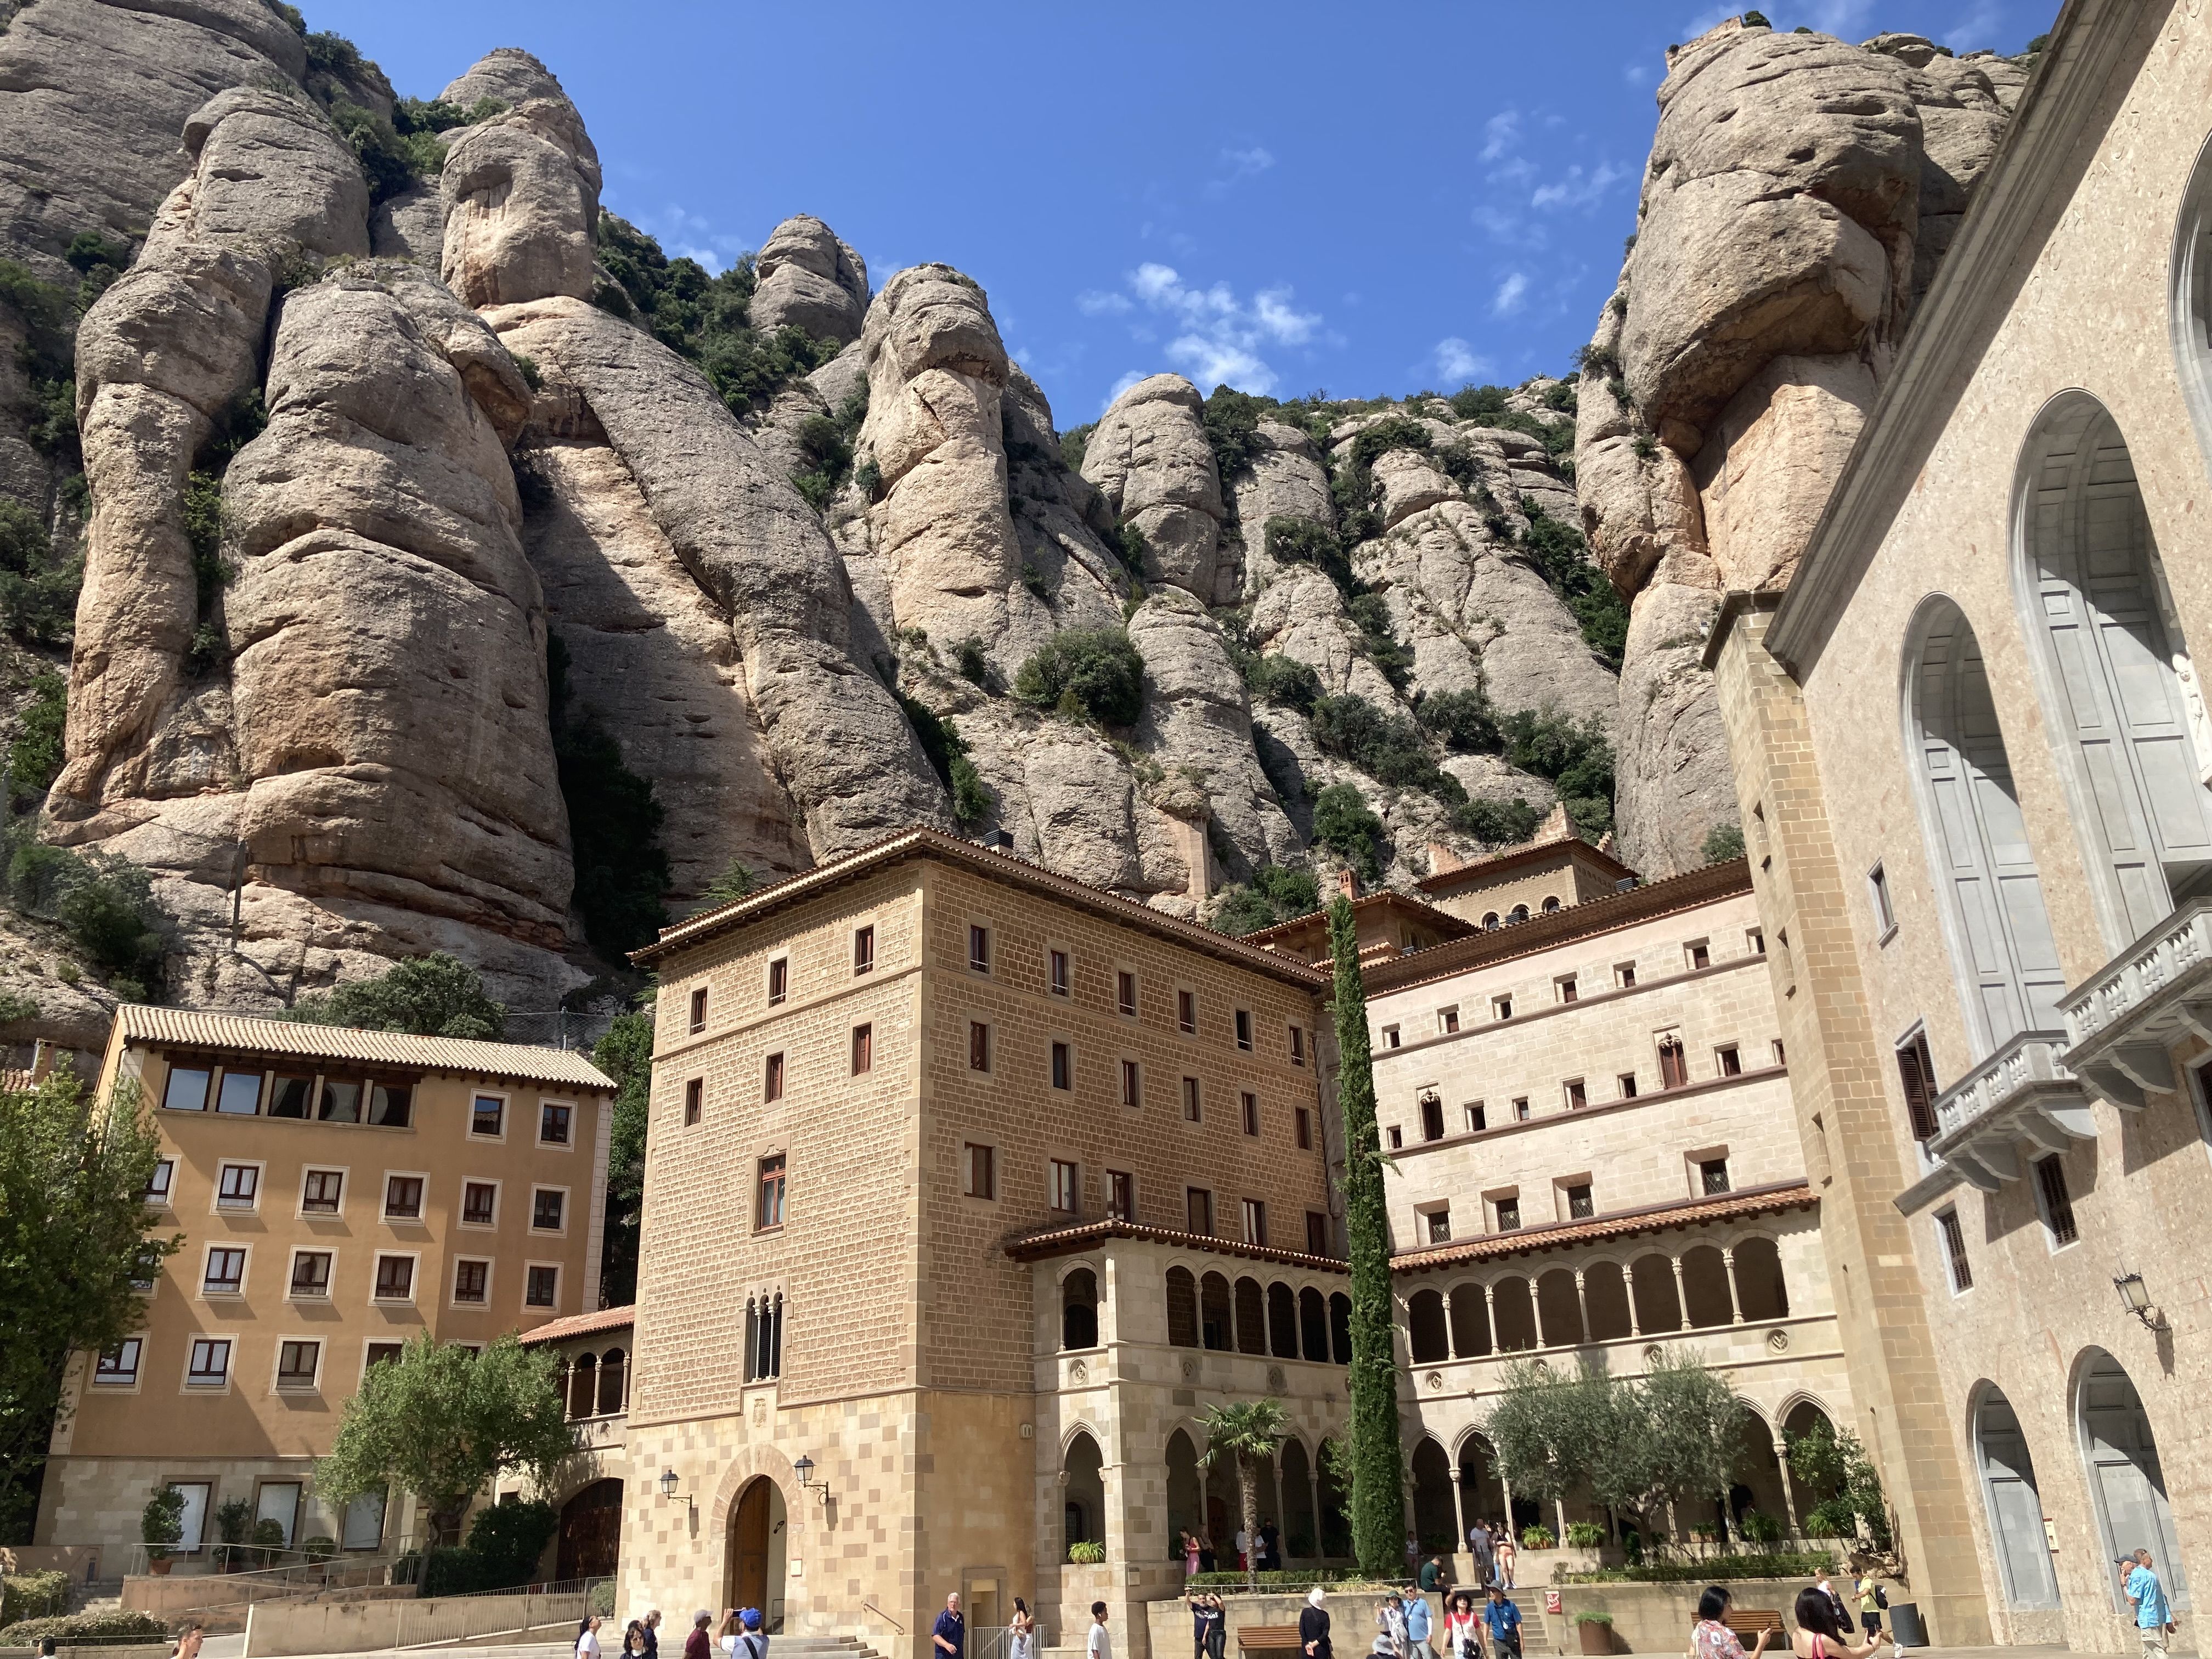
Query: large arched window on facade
x=2014 y=1505
x=1999 y=931
x=2126 y=1481
x=2114 y=673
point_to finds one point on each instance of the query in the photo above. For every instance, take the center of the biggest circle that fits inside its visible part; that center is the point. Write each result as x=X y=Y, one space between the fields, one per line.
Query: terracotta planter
x=161 y=1569
x=1595 y=1637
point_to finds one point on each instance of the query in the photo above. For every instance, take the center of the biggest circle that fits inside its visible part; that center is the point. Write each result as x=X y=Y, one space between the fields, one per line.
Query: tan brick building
x=337 y=1192
x=1971 y=749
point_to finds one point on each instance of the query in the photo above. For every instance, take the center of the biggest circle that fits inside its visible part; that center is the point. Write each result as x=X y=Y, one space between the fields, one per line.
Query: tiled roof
x=1651 y=1219
x=584 y=1324
x=1066 y=1241
x=923 y=842
x=202 y=1029
x=1479 y=872
x=1443 y=921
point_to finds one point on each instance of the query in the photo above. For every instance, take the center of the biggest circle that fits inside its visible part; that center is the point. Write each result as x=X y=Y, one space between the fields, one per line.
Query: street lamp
x=804 y=1468
x=2135 y=1296
x=668 y=1483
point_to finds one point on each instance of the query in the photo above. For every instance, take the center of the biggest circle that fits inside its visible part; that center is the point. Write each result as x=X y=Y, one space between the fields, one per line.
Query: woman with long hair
x=1819 y=1632
x=1021 y=1632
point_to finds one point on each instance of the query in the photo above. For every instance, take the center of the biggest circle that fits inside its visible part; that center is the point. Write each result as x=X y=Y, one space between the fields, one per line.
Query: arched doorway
x=591 y=1533
x=1435 y=1521
x=2126 y=1484
x=758 y=1533
x=1301 y=1541
x=1186 y=1500
x=1082 y=1492
x=2014 y=1505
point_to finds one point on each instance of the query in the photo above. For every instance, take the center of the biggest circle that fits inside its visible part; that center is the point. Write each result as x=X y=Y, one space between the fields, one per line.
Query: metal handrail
x=870 y=1606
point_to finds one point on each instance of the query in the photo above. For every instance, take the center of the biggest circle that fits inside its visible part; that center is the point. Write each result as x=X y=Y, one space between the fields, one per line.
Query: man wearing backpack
x=1873 y=1600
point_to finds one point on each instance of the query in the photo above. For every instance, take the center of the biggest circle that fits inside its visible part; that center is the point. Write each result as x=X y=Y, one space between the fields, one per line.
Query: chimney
x=999 y=840
x=1347 y=882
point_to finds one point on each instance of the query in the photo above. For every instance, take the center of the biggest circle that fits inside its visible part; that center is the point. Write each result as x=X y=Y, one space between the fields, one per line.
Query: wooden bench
x=1749 y=1621
x=1269 y=1638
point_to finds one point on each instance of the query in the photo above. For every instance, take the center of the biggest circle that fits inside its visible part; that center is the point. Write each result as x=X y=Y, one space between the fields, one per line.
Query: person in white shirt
x=587 y=1640
x=1100 y=1645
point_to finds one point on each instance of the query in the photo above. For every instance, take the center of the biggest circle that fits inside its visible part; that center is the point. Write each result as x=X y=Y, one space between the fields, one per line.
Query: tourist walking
x=2154 y=1617
x=1819 y=1634
x=1313 y=1626
x=1872 y=1600
x=1462 y=1627
x=1502 y=1547
x=1203 y=1617
x=1712 y=1638
x=1021 y=1632
x=1100 y=1644
x=1419 y=1620
x=949 y=1635
x=1477 y=1545
x=697 y=1645
x=1503 y=1620
x=587 y=1640
x=652 y=1629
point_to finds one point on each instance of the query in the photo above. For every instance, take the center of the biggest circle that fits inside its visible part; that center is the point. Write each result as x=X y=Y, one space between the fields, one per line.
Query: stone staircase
x=820 y=1647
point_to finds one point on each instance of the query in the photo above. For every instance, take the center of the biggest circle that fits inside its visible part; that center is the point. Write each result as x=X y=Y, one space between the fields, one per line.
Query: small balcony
x=2025 y=1091
x=2122 y=1022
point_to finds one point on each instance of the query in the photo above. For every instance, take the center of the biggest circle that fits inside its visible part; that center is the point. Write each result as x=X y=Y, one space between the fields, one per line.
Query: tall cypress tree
x=1378 y=1504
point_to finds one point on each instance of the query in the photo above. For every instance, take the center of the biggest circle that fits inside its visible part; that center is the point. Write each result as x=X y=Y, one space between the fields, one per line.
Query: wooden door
x=591 y=1533
x=749 y=1549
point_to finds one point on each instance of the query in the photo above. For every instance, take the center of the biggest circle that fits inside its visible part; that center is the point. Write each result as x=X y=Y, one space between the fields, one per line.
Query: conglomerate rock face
x=810 y=280
x=1800 y=193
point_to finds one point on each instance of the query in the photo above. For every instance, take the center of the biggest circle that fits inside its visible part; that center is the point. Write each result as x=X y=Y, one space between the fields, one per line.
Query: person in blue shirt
x=949 y=1637
x=1418 y=1620
x=2154 y=1617
x=1504 y=1621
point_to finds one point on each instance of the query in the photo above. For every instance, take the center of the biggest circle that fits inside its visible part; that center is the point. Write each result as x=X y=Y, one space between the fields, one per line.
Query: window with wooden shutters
x=864 y=950
x=1953 y=1239
x=2056 y=1202
x=1673 y=1067
x=1917 y=1070
x=979 y=1046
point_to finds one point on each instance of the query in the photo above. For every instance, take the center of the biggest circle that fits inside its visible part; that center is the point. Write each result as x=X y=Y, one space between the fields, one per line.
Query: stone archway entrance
x=758 y=1532
x=591 y=1533
x=2124 y=1476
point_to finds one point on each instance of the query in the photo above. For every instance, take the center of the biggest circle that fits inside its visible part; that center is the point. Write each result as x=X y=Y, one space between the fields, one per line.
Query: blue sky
x=1289 y=196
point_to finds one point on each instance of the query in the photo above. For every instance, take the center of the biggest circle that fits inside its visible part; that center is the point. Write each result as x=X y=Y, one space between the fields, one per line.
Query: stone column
x=1451 y=1331
x=1628 y=1284
x=1788 y=1492
x=1582 y=1304
x=1490 y=1315
x=1728 y=1265
x=1682 y=1300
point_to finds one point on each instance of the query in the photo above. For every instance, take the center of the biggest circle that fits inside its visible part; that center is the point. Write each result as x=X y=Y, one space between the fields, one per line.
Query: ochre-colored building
x=338 y=1191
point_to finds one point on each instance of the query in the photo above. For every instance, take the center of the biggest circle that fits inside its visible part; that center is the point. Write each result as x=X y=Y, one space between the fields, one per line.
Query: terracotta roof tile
x=1651 y=1218
x=585 y=1324
x=202 y=1028
x=1066 y=1241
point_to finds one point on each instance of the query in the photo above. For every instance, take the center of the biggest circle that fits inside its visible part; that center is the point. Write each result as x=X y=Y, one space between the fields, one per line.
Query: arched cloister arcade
x=1247 y=1315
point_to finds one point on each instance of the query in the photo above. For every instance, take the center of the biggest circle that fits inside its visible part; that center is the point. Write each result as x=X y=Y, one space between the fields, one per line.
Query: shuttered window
x=1918 y=1070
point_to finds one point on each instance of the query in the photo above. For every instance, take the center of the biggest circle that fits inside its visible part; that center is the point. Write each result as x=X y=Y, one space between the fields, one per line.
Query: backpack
x=1881 y=1598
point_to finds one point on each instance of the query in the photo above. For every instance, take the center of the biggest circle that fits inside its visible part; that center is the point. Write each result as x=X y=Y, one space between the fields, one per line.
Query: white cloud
x=1455 y=360
x=1271 y=306
x=1121 y=387
x=1510 y=297
x=1218 y=337
x=1500 y=133
x=1095 y=302
x=1211 y=360
x=1577 y=187
x=1635 y=74
x=1247 y=163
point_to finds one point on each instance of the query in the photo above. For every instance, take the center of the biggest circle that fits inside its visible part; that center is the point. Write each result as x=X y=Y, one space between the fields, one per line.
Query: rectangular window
x=1916 y=1070
x=1577 y=1094
x=1132 y=1084
x=1579 y=1207
x=1063 y=1067
x=1509 y=1215
x=767 y=1211
x=1062 y=1188
x=1121 y=1195
x=1674 y=1066
x=488 y=1116
x=980 y=1172
x=375 y=1353
x=772 y=1077
x=1250 y=1104
x=391 y=1105
x=695 y=1100
x=1952 y=1237
x=1255 y=1222
x=297 y=1362
x=225 y=1271
x=1389 y=1036
x=1520 y=1109
x=1190 y=1102
x=864 y=950
x=1569 y=989
x=1713 y=1175
x=1476 y=1118
x=162 y=1182
x=1432 y=1118
x=1302 y=1121
x=472 y=1282
x=311 y=1273
x=395 y=1278
x=119 y=1366
x=542 y=1288
x=1501 y=1008
x=1727 y=1060
x=1059 y=974
x=1780 y=1057
x=1397 y=1138
x=698 y=1010
x=479 y=1203
x=2057 y=1205
x=1627 y=1081
x=864 y=1049
x=1884 y=918
x=779 y=982
x=1624 y=975
x=1447 y=1021
x=340 y=1102
x=1316 y=1233
x=1186 y=1011
x=289 y=1095
x=240 y=1093
x=1198 y=1211
x=238 y=1186
x=1436 y=1226
x=979 y=1046
x=1244 y=1029
x=1125 y=993
x=1697 y=954
x=979 y=950
x=1298 y=1045
x=210 y=1363
x=548 y=1208
x=187 y=1090
x=553 y=1123
x=1755 y=940
x=320 y=1191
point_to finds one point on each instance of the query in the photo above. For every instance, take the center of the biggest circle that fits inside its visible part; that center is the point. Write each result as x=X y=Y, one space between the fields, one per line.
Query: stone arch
x=1436 y=1519
x=1299 y=1538
x=1313 y=1324
x=1340 y=1329
x=2003 y=956
x=1558 y=1309
x=746 y=1465
x=1082 y=1489
x=1482 y=1492
x=1550 y=904
x=1605 y=1297
x=1470 y=1322
x=1514 y=1310
x=1658 y=1300
x=1282 y=1321
x=1251 y=1316
x=1182 y=1308
x=755 y=1544
x=614 y=1381
x=1213 y=1324
x=583 y=1385
x=1518 y=912
x=2127 y=1482
x=1760 y=1290
x=1186 y=1490
x=1705 y=1288
x=2120 y=696
x=1079 y=1309
x=2011 y=1501
x=1426 y=1339
x=1489 y=920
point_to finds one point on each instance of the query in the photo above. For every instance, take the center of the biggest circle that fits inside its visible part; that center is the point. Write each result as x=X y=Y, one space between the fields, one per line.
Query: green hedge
x=109 y=1625
x=1710 y=1569
x=32 y=1595
x=1306 y=1579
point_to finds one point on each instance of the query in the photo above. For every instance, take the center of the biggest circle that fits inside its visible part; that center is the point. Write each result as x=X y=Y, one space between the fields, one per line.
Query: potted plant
x=1085 y=1552
x=160 y=1524
x=1595 y=1630
x=1537 y=1538
x=232 y=1518
x=318 y=1549
x=268 y=1542
x=1584 y=1535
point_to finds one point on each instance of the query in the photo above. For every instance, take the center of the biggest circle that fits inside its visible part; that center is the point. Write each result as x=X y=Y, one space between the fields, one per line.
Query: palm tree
x=1249 y=1432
